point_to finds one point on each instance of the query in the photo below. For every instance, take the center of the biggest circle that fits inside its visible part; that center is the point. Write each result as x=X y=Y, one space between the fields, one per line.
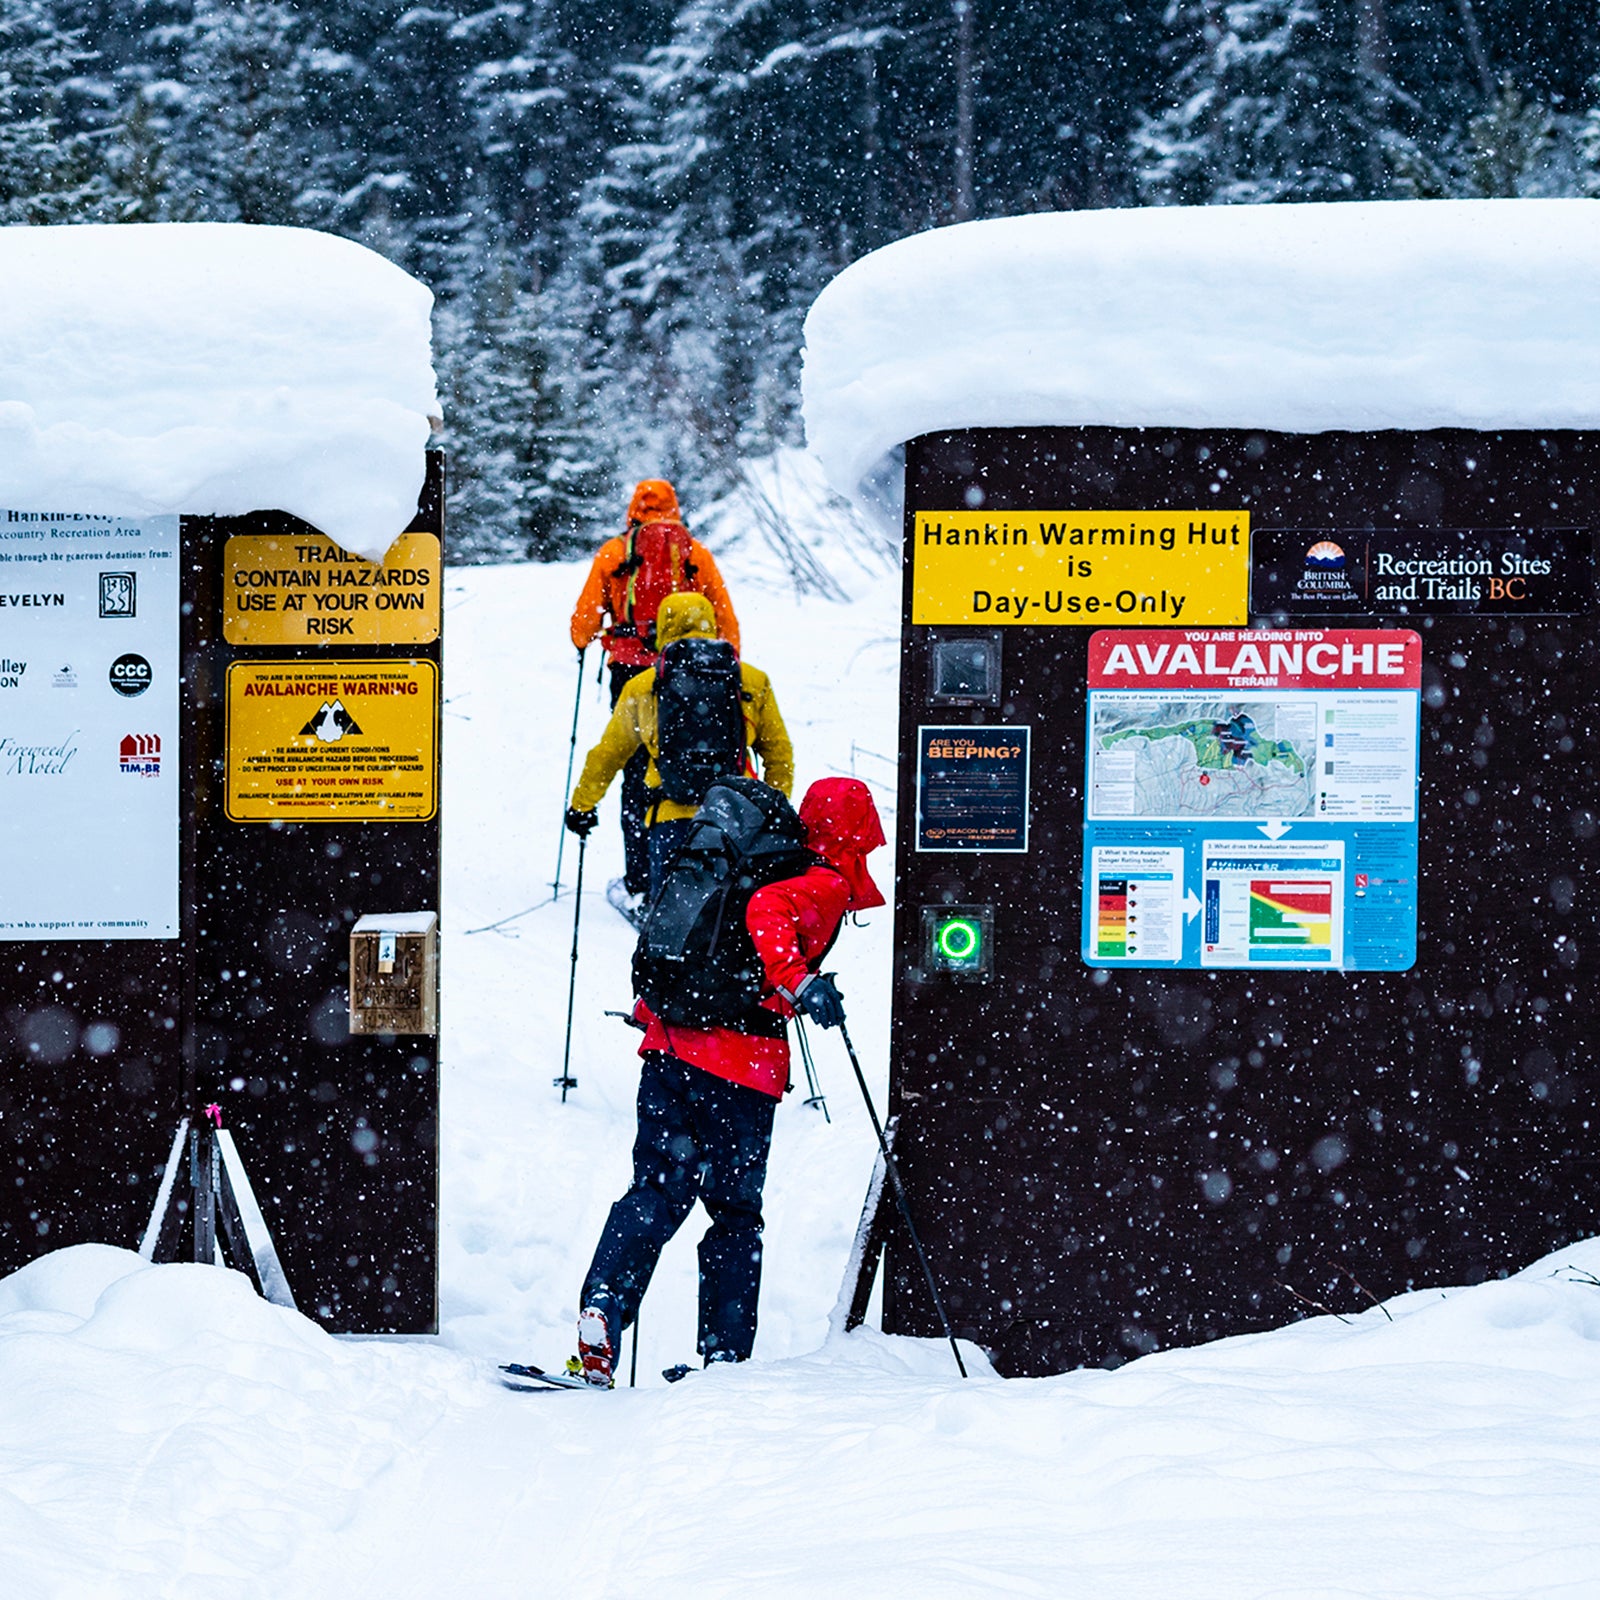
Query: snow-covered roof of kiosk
x=213 y=369
x=1299 y=318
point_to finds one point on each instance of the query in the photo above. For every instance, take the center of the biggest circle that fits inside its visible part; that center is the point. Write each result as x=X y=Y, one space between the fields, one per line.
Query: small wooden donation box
x=394 y=973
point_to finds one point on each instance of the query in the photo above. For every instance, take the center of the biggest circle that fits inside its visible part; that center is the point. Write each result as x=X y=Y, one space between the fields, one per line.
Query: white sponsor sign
x=88 y=726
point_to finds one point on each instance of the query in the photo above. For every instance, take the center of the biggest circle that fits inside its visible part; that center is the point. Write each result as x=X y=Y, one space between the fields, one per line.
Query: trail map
x=1157 y=757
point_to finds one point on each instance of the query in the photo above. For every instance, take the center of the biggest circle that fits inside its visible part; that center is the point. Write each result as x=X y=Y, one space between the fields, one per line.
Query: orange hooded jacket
x=605 y=591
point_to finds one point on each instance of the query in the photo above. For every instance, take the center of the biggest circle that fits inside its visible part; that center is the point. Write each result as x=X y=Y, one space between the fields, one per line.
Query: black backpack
x=699 y=717
x=696 y=965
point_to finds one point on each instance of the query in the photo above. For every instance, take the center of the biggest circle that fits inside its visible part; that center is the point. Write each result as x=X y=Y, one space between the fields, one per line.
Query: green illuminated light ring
x=959 y=939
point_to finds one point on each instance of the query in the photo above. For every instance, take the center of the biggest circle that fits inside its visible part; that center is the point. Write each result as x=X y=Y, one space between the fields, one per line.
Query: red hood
x=842 y=826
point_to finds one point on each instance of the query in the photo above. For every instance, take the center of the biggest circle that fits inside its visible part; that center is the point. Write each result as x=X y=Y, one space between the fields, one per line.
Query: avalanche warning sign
x=313 y=741
x=1251 y=798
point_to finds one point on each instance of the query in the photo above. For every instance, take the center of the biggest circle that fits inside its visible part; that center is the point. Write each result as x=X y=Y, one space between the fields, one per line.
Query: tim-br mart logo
x=140 y=754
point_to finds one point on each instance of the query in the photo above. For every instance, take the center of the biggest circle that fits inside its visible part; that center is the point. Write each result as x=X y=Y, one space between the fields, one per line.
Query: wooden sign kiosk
x=283 y=735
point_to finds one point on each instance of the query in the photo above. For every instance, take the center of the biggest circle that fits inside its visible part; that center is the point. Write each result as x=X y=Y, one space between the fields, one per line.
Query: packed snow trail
x=165 y=1433
x=527 y=1181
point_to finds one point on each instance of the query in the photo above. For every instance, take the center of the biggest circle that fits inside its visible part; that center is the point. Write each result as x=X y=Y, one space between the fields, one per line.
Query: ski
x=534 y=1379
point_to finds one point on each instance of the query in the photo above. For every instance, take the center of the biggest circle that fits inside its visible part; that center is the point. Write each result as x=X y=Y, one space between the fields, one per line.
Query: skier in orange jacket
x=629 y=578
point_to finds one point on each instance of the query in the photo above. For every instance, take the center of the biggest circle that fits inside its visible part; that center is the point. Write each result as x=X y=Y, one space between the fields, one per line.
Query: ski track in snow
x=163 y=1432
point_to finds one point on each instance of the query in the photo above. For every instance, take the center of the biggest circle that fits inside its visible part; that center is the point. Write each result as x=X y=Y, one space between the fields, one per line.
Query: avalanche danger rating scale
x=323 y=741
x=1251 y=799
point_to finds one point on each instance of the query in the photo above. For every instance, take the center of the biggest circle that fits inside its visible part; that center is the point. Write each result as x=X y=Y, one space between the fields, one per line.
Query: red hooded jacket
x=792 y=923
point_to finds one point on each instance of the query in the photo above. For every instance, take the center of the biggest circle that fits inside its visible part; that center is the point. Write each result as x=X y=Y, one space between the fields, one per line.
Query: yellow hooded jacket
x=633 y=722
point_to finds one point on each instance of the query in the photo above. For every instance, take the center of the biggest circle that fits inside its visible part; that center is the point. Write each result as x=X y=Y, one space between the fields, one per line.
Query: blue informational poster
x=1251 y=799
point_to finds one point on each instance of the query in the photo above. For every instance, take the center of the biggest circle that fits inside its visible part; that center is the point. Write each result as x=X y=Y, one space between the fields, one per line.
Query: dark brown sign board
x=1120 y=1153
x=105 y=1044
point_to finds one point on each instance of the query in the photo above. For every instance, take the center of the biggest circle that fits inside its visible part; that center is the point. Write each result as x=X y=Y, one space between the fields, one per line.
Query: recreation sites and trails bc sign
x=89 y=696
x=1251 y=798
x=1423 y=571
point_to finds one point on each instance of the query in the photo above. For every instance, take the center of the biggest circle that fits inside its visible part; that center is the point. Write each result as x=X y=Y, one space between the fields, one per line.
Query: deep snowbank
x=164 y=1431
x=1410 y=314
x=213 y=368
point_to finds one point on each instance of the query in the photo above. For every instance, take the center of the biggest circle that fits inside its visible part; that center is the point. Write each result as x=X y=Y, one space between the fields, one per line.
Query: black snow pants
x=700 y=1138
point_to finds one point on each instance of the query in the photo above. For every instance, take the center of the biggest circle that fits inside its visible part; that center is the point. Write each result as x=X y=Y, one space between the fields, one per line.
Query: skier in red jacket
x=707 y=1098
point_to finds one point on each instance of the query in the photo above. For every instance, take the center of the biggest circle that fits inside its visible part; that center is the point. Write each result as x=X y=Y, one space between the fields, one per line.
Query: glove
x=821 y=1001
x=582 y=823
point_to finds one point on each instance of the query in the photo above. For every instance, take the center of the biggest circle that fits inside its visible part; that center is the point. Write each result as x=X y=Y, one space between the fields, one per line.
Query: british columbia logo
x=1324 y=576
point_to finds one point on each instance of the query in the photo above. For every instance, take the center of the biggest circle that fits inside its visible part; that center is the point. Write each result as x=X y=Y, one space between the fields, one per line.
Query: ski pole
x=566 y=1080
x=900 y=1195
x=816 y=1097
x=572 y=751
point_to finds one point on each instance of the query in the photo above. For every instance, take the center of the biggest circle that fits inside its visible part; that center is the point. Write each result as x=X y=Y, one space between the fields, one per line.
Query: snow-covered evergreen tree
x=1516 y=145
x=527 y=477
x=48 y=171
x=240 y=140
x=1270 y=100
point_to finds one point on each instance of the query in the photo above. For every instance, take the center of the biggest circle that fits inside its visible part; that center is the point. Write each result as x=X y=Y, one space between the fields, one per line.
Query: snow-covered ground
x=163 y=1432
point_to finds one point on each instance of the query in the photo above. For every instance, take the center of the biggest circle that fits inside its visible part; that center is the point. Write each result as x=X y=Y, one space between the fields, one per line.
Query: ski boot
x=596 y=1358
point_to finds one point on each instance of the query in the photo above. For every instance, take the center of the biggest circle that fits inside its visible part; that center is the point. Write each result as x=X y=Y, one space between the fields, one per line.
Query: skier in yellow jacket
x=634 y=725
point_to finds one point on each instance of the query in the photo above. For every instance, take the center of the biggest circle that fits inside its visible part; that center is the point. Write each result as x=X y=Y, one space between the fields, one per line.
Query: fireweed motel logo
x=19 y=760
x=1324 y=577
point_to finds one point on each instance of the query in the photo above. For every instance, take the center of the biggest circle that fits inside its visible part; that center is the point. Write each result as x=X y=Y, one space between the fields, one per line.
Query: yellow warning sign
x=303 y=589
x=1066 y=568
x=332 y=741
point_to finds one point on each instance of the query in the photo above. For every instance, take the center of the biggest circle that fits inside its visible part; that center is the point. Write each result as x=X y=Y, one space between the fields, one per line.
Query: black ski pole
x=816 y=1097
x=566 y=1080
x=572 y=751
x=900 y=1195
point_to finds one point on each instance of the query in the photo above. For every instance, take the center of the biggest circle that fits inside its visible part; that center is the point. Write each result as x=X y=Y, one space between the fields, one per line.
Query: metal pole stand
x=217 y=1193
